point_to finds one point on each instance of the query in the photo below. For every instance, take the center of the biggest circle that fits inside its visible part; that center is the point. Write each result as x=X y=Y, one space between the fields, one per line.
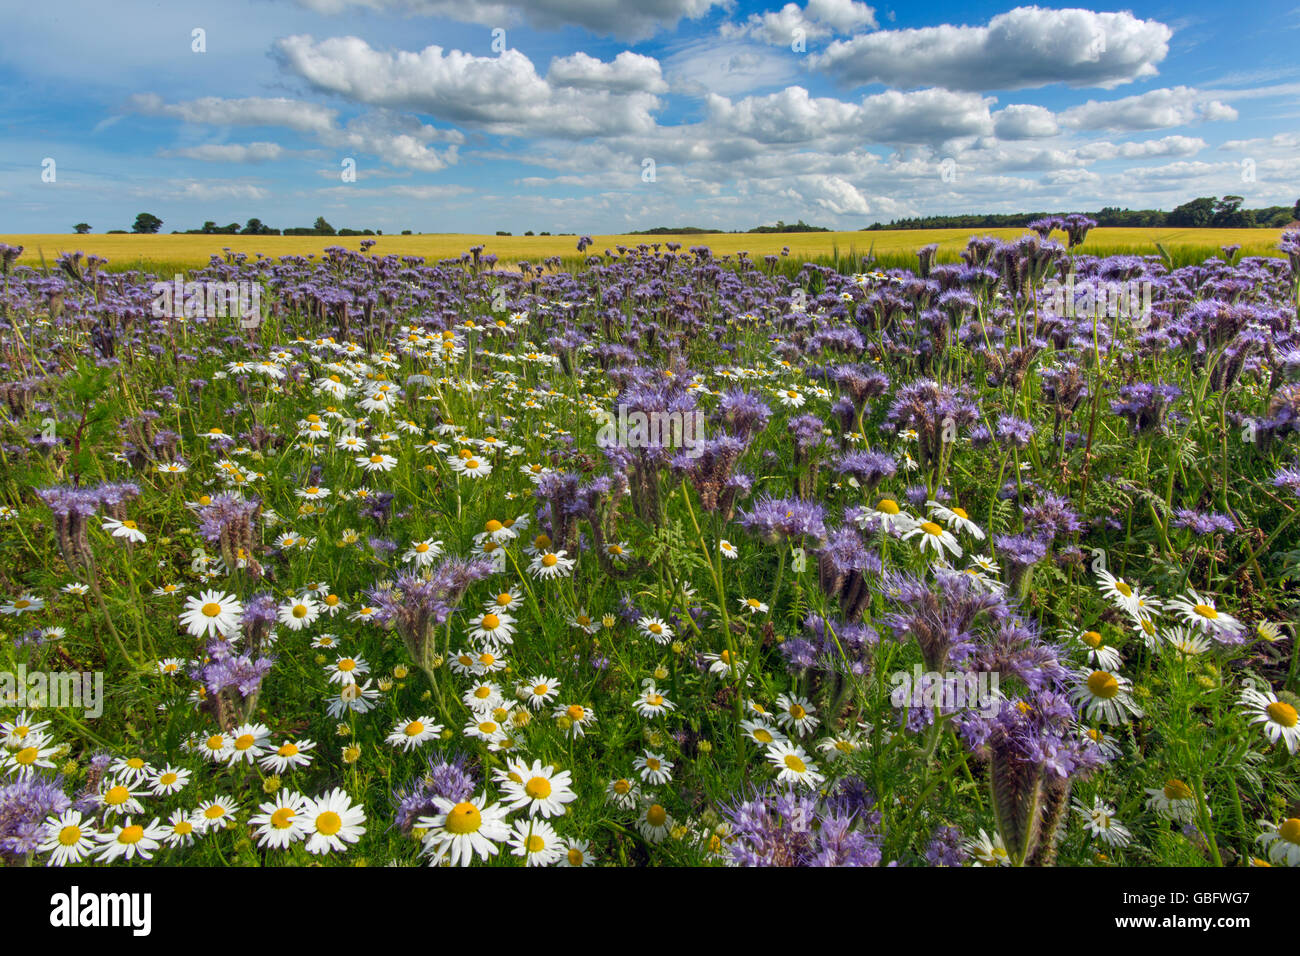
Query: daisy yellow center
x=795 y=764
x=215 y=812
x=550 y=561
x=288 y=750
x=1290 y=830
x=216 y=742
x=541 y=690
x=1177 y=790
x=654 y=700
x=494 y=526
x=652 y=763
x=888 y=505
x=615 y=549
x=763 y=736
x=244 y=741
x=656 y=815
x=183 y=828
x=536 y=844
x=117 y=795
x=929 y=527
x=376 y=459
x=471 y=464
x=961 y=513
x=1205 y=611
x=1102 y=684
x=168 y=779
x=421 y=548
x=655 y=629
x=282 y=819
x=211 y=609
x=27 y=756
x=575 y=857
x=542 y=541
x=131 y=834
x=1280 y=712
x=329 y=823
x=538 y=788
x=483 y=692
x=347 y=664
x=414 y=728
x=129 y=524
x=70 y=835
x=490 y=622
x=797 y=712
x=300 y=610
x=487 y=727
x=575 y=712
x=463 y=818
x=1123 y=589
x=622 y=787
x=753 y=602
x=1091 y=638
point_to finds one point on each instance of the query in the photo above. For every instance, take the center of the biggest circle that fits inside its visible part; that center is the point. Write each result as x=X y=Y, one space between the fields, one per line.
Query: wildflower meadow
x=663 y=558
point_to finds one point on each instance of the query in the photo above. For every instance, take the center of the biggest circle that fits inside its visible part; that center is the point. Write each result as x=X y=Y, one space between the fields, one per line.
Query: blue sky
x=834 y=111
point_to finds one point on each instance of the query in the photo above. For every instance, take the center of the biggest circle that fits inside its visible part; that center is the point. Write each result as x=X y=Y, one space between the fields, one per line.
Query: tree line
x=1204 y=212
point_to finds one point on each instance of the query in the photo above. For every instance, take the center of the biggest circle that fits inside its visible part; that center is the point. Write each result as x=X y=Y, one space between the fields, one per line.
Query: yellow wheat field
x=190 y=251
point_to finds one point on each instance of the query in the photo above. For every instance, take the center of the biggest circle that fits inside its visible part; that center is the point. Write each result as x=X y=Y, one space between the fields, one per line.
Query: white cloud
x=1165 y=146
x=1020 y=121
x=892 y=117
x=502 y=94
x=1155 y=109
x=727 y=67
x=820 y=18
x=626 y=73
x=251 y=111
x=627 y=19
x=1025 y=47
x=230 y=152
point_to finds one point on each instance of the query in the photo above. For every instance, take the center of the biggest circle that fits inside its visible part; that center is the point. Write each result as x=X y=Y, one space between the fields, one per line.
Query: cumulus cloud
x=820 y=18
x=626 y=19
x=502 y=94
x=1165 y=146
x=1020 y=121
x=1025 y=47
x=1155 y=109
x=892 y=117
x=626 y=73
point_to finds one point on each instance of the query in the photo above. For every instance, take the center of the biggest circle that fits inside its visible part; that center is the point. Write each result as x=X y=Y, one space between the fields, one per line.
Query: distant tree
x=255 y=227
x=232 y=229
x=406 y=232
x=322 y=227
x=1196 y=214
x=1228 y=214
x=1295 y=213
x=82 y=228
x=146 y=223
